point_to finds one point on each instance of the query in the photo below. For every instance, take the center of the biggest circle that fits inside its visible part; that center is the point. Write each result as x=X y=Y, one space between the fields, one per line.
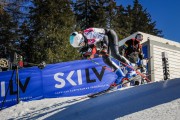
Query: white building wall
x=174 y=62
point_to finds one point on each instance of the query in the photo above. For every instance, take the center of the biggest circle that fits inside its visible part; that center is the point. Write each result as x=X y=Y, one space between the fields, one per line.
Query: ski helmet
x=139 y=37
x=76 y=39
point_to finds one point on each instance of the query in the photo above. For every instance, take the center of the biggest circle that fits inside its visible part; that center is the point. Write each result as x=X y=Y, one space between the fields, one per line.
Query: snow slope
x=154 y=101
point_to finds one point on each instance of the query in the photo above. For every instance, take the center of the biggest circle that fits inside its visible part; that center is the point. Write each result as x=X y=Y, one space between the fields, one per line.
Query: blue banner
x=30 y=84
x=76 y=78
x=72 y=78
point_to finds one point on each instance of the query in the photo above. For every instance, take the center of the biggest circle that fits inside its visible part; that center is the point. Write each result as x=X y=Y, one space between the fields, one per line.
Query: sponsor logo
x=11 y=88
x=62 y=82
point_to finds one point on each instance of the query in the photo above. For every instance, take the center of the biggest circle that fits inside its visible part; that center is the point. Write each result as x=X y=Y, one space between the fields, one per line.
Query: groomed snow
x=154 y=101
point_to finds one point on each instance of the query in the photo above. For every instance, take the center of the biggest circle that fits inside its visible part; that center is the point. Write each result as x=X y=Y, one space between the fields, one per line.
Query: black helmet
x=139 y=37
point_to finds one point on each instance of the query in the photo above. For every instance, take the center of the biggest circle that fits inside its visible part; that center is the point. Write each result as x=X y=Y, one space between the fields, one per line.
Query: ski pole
x=133 y=69
x=107 y=68
x=139 y=73
x=125 y=65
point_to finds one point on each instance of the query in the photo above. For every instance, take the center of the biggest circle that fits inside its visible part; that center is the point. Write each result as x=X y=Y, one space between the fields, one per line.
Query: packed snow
x=153 y=101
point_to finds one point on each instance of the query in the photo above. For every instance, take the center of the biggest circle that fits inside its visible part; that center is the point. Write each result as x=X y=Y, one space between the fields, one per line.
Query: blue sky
x=166 y=13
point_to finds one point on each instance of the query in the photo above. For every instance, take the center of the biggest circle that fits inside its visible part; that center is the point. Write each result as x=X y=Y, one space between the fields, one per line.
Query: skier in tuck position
x=107 y=41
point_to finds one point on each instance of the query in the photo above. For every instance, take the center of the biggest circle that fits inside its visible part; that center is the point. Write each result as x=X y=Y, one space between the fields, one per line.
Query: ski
x=110 y=89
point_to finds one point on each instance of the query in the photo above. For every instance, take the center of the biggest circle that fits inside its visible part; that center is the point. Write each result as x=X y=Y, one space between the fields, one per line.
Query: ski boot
x=130 y=72
x=120 y=75
x=132 y=76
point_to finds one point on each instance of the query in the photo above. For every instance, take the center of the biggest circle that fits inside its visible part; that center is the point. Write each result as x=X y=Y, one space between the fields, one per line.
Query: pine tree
x=121 y=24
x=134 y=18
x=142 y=20
x=100 y=14
x=94 y=13
x=8 y=28
x=12 y=18
x=51 y=21
x=84 y=10
x=110 y=10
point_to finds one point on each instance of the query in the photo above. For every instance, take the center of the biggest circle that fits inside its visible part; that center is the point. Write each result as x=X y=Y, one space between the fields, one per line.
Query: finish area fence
x=65 y=79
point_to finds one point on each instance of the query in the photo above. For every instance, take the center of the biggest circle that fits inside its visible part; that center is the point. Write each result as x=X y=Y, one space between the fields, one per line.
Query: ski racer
x=106 y=41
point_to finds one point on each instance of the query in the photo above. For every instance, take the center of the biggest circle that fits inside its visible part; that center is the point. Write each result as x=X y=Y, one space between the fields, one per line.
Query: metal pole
x=17 y=81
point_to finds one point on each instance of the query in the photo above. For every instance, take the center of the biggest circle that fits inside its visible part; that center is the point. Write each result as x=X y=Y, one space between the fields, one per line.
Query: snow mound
x=154 y=101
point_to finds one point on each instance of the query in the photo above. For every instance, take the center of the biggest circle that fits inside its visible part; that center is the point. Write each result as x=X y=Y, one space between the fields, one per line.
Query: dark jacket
x=133 y=50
